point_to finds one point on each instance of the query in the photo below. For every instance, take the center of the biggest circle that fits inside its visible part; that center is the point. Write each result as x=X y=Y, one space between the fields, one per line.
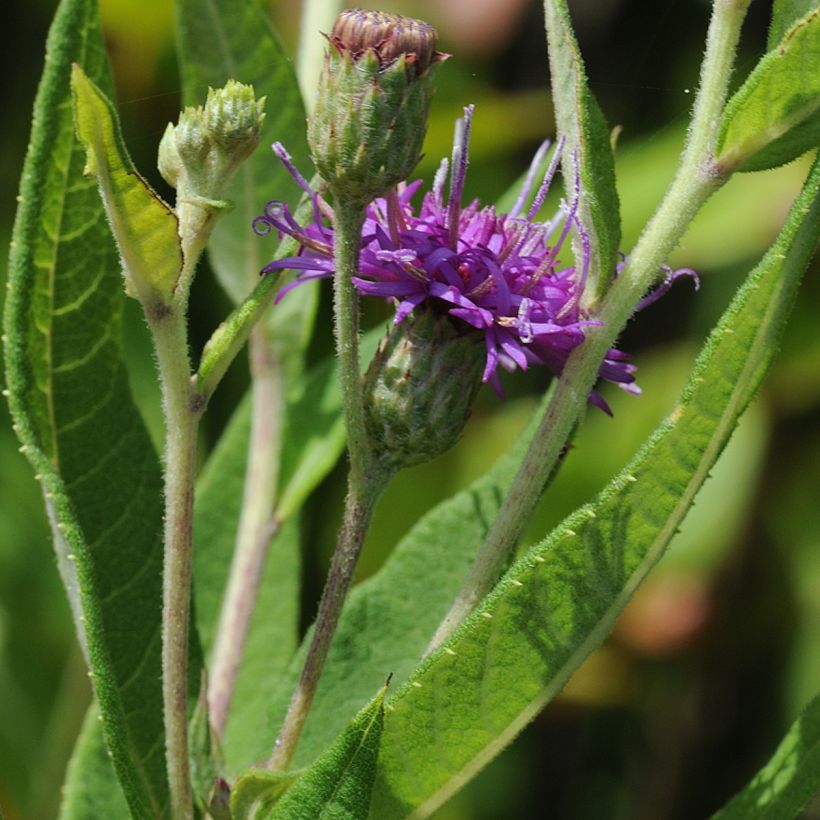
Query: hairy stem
x=365 y=479
x=347 y=238
x=181 y=424
x=696 y=180
x=257 y=527
x=358 y=512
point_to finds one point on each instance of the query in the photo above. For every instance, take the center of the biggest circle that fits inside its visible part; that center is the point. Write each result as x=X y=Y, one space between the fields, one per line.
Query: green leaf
x=470 y=698
x=338 y=785
x=783 y=787
x=91 y=789
x=588 y=151
x=785 y=13
x=143 y=225
x=220 y=40
x=256 y=792
x=775 y=115
x=73 y=412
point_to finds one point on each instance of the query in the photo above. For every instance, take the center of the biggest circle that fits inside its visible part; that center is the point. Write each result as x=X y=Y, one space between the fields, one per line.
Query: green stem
x=257 y=527
x=358 y=512
x=347 y=239
x=365 y=479
x=696 y=180
x=182 y=414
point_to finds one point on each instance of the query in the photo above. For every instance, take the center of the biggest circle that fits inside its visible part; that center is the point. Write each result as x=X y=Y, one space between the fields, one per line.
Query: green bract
x=420 y=387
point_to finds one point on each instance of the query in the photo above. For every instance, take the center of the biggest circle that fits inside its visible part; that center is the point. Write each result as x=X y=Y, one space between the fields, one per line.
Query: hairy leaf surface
x=339 y=783
x=775 y=115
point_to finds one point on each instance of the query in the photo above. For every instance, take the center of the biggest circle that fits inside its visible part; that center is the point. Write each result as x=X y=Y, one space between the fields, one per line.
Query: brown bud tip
x=389 y=36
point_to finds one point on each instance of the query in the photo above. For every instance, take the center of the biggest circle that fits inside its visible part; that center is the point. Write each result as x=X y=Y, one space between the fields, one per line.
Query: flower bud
x=368 y=126
x=420 y=387
x=200 y=154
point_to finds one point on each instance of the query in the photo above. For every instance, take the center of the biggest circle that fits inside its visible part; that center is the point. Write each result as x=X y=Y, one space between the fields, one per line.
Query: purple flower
x=497 y=273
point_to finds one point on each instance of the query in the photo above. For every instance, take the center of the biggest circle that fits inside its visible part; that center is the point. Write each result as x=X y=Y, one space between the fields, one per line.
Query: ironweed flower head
x=498 y=275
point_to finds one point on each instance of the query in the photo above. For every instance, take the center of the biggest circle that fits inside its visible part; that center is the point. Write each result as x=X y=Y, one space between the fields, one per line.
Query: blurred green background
x=720 y=649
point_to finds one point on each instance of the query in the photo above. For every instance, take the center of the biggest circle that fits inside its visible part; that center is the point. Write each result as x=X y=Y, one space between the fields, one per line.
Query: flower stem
x=358 y=512
x=347 y=239
x=696 y=180
x=257 y=527
x=181 y=423
x=365 y=479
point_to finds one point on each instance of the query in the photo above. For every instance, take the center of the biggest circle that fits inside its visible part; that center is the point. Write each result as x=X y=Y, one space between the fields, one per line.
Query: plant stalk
x=365 y=478
x=697 y=179
x=257 y=528
x=182 y=415
x=358 y=512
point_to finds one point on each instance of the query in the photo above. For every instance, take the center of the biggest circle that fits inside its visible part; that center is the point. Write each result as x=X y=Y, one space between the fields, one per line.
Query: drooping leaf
x=144 y=227
x=587 y=152
x=785 y=13
x=220 y=40
x=783 y=787
x=775 y=115
x=338 y=785
x=91 y=788
x=470 y=697
x=74 y=414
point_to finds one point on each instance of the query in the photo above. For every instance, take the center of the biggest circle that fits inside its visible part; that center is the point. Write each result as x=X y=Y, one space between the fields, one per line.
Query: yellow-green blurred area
x=721 y=647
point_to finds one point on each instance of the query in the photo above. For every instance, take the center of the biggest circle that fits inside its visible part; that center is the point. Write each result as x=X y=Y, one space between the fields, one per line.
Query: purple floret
x=498 y=273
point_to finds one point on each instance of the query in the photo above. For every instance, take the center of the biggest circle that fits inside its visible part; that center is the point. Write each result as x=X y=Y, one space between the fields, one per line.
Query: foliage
x=90 y=230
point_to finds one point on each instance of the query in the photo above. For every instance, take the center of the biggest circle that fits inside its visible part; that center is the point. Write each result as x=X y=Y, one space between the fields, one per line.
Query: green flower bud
x=420 y=387
x=200 y=154
x=368 y=126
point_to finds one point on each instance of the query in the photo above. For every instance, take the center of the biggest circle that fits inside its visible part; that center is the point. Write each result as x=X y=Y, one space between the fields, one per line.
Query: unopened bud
x=200 y=154
x=370 y=119
x=420 y=388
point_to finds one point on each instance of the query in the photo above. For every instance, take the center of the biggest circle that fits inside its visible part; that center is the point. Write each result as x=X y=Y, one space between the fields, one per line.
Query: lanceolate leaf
x=220 y=40
x=587 y=152
x=775 y=115
x=783 y=787
x=555 y=605
x=74 y=414
x=339 y=783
